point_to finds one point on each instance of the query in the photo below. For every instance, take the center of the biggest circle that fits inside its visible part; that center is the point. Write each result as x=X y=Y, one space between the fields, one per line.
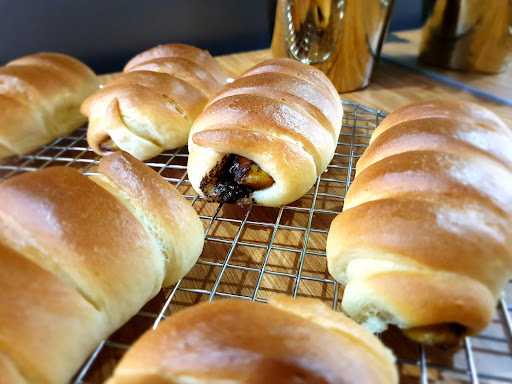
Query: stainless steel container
x=472 y=35
x=340 y=37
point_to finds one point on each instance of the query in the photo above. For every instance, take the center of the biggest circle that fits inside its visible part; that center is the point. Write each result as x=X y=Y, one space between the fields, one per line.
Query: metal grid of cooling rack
x=255 y=251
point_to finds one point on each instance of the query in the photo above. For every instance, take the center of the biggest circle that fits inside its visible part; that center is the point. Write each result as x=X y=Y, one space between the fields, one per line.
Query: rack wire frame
x=289 y=258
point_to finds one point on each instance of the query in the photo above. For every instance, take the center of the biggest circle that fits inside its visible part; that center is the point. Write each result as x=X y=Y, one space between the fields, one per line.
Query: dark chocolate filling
x=230 y=180
x=108 y=146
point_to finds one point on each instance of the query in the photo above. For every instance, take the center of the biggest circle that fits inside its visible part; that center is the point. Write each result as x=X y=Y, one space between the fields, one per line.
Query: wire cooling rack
x=253 y=252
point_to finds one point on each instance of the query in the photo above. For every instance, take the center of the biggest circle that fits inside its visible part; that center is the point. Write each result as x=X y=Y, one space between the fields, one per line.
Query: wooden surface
x=393 y=86
x=405 y=47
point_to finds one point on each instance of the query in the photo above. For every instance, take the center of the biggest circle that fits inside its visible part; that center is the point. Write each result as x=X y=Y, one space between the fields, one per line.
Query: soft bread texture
x=10 y=374
x=188 y=52
x=39 y=314
x=40 y=97
x=151 y=106
x=161 y=208
x=282 y=115
x=425 y=236
x=81 y=255
x=460 y=111
x=285 y=341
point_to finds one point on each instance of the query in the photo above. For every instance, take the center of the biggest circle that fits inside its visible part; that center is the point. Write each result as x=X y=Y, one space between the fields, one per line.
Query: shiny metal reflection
x=341 y=37
x=472 y=35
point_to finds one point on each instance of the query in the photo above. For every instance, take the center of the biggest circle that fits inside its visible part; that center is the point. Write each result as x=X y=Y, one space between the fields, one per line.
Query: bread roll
x=79 y=256
x=267 y=136
x=286 y=341
x=151 y=107
x=425 y=237
x=40 y=97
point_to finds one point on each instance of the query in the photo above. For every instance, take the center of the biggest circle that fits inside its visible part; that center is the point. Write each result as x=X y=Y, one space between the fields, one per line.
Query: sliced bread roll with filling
x=267 y=136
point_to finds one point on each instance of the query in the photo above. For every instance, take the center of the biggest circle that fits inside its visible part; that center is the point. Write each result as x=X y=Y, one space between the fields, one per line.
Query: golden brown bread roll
x=453 y=110
x=81 y=255
x=45 y=323
x=267 y=136
x=151 y=107
x=285 y=341
x=10 y=374
x=40 y=97
x=425 y=237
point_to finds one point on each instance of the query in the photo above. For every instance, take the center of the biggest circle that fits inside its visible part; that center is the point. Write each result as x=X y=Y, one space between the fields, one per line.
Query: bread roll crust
x=429 y=233
x=58 y=61
x=439 y=174
x=10 y=374
x=265 y=115
x=439 y=134
x=243 y=342
x=120 y=112
x=461 y=111
x=196 y=55
x=183 y=69
x=298 y=70
x=102 y=250
x=405 y=298
x=31 y=129
x=49 y=88
x=424 y=240
x=183 y=94
x=290 y=90
x=38 y=314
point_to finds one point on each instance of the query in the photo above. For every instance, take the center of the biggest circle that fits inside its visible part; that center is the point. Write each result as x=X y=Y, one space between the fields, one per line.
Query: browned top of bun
x=450 y=109
x=194 y=54
x=294 y=68
x=56 y=61
x=242 y=342
x=87 y=236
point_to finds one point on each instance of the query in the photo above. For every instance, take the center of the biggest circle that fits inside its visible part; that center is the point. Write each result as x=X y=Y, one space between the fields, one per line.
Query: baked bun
x=151 y=106
x=285 y=341
x=425 y=237
x=79 y=256
x=267 y=136
x=40 y=97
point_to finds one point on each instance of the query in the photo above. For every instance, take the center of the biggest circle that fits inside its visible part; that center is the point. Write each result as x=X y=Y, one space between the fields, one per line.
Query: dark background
x=106 y=33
